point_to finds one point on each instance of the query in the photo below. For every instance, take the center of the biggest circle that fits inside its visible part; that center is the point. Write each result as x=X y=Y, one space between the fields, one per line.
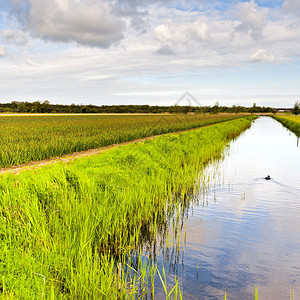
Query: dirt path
x=70 y=157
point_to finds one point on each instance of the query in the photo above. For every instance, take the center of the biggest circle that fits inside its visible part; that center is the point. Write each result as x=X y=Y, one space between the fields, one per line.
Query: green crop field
x=290 y=122
x=65 y=228
x=29 y=138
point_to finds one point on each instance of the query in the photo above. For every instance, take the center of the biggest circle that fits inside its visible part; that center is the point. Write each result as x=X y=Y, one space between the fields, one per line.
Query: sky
x=107 y=52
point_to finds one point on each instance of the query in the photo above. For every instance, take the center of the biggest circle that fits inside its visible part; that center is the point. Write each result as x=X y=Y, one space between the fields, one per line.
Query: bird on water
x=268 y=177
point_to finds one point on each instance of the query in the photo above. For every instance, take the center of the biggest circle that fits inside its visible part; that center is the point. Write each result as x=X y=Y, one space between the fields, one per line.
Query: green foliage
x=292 y=295
x=296 y=108
x=29 y=138
x=47 y=107
x=66 y=228
x=290 y=122
x=256 y=292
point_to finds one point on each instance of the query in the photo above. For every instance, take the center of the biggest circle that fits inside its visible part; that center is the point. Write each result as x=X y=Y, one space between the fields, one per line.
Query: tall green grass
x=66 y=228
x=29 y=138
x=290 y=122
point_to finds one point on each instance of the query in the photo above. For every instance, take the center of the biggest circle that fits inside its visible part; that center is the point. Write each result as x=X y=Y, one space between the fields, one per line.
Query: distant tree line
x=47 y=107
x=296 y=108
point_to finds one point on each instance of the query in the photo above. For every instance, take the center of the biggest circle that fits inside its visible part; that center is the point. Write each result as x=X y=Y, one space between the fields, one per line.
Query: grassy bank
x=290 y=122
x=29 y=138
x=64 y=228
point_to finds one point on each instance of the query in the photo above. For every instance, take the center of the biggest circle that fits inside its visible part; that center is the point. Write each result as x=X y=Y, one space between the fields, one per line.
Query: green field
x=64 y=228
x=290 y=122
x=36 y=137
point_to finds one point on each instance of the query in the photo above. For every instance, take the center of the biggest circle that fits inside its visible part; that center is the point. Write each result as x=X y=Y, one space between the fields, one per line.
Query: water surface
x=244 y=230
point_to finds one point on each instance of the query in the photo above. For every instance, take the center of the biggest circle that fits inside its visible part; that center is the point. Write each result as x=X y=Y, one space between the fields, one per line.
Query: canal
x=241 y=230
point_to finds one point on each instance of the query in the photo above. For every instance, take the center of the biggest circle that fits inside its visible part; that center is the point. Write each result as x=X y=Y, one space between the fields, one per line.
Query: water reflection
x=241 y=230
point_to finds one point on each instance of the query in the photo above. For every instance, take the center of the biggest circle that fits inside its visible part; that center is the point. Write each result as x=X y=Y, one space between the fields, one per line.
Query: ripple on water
x=245 y=230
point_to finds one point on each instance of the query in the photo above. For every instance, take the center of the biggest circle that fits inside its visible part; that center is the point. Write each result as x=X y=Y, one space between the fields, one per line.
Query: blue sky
x=150 y=52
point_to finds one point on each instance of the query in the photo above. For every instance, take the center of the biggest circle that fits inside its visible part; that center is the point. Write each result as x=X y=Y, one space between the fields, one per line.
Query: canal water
x=241 y=231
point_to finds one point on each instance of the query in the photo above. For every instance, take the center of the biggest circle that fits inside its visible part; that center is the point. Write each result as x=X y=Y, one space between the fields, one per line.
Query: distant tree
x=14 y=105
x=296 y=108
x=236 y=109
x=21 y=107
x=84 y=109
x=255 y=108
x=186 y=109
x=45 y=107
x=36 y=107
x=215 y=108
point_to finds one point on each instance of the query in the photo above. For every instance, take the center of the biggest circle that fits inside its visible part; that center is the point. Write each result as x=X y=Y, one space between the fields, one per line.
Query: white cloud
x=181 y=36
x=262 y=55
x=88 y=22
x=15 y=37
x=292 y=6
x=30 y=62
x=292 y=9
x=3 y=51
x=165 y=50
x=190 y=38
x=253 y=19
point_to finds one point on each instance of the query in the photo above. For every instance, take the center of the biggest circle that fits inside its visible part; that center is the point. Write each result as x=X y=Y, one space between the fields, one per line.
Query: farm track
x=70 y=157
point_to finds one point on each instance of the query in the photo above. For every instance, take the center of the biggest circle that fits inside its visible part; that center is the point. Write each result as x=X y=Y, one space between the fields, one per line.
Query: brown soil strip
x=70 y=157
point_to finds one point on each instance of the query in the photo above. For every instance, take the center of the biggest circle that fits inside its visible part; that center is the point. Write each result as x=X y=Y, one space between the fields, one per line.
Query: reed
x=290 y=122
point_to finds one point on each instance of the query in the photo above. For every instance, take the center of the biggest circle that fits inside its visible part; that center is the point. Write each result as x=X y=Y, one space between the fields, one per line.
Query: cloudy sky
x=150 y=51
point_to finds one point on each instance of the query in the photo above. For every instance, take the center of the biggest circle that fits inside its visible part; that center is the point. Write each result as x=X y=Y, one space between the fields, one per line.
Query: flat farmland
x=26 y=138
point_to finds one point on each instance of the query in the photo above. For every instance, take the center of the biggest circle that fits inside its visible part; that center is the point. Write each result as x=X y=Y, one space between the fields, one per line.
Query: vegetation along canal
x=243 y=231
x=178 y=215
